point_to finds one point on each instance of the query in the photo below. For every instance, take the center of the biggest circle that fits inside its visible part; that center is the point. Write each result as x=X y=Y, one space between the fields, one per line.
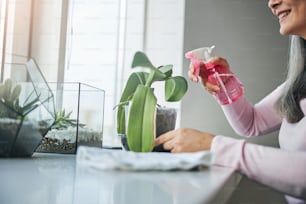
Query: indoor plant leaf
x=7 y=90
x=2 y=90
x=167 y=70
x=175 y=88
x=141 y=125
x=140 y=59
x=149 y=125
x=134 y=80
x=16 y=92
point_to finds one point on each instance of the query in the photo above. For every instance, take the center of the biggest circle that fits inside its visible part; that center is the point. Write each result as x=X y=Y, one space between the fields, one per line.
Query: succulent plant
x=142 y=101
x=63 y=120
x=9 y=101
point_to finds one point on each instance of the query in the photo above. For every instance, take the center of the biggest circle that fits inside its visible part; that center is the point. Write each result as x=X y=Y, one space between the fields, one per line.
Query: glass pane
x=92 y=48
x=2 y=19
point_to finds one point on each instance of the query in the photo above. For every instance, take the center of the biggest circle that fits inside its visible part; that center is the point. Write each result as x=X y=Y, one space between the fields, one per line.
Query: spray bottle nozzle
x=199 y=56
x=207 y=53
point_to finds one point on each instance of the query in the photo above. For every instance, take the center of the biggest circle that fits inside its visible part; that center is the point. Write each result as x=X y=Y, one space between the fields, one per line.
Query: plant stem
x=150 y=79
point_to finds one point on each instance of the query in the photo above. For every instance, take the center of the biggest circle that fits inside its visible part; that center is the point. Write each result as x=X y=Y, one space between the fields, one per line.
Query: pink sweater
x=283 y=169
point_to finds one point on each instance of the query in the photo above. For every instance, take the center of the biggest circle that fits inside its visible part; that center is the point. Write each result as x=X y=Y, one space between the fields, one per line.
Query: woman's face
x=291 y=15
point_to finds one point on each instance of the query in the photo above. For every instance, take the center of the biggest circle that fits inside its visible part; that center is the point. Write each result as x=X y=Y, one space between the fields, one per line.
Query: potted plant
x=137 y=110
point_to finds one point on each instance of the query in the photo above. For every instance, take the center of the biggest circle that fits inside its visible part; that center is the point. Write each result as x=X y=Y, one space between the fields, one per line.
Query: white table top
x=55 y=179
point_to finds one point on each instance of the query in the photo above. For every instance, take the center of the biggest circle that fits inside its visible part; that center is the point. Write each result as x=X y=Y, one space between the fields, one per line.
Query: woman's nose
x=274 y=3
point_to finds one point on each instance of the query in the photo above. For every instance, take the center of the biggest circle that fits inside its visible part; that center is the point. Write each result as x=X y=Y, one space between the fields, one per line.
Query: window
x=15 y=32
x=101 y=37
x=100 y=45
x=95 y=41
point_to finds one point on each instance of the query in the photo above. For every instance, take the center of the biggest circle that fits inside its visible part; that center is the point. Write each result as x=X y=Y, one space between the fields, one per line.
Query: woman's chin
x=287 y=29
x=283 y=31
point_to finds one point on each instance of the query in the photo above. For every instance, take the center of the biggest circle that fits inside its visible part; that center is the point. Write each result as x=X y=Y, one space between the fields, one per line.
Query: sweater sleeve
x=249 y=120
x=280 y=169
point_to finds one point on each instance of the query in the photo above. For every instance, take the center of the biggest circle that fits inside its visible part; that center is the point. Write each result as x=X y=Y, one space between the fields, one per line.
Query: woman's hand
x=185 y=140
x=219 y=62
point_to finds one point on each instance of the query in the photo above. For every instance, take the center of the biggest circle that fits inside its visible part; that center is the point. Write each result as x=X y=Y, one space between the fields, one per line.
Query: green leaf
x=175 y=88
x=16 y=92
x=2 y=90
x=30 y=106
x=141 y=120
x=7 y=89
x=133 y=81
x=62 y=120
x=155 y=75
x=149 y=122
x=167 y=70
x=141 y=60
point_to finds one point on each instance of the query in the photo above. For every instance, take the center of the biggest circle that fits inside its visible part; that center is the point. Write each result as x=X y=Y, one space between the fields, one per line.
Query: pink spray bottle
x=230 y=87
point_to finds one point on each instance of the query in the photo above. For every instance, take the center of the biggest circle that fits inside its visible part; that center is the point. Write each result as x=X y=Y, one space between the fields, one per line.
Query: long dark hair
x=295 y=89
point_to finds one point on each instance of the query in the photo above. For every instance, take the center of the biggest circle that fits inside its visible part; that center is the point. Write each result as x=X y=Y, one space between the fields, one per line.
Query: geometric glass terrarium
x=78 y=120
x=26 y=110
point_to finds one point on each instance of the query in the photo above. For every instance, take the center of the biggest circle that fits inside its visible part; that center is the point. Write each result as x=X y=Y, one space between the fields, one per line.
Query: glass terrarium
x=78 y=119
x=26 y=110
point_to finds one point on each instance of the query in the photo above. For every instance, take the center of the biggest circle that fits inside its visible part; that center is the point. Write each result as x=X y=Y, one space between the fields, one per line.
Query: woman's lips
x=282 y=15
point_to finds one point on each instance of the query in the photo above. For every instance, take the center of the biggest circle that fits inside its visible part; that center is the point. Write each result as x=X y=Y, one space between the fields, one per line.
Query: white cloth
x=102 y=159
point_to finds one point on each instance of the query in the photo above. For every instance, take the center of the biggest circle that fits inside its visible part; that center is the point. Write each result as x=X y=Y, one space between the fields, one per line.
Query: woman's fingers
x=164 y=138
x=212 y=88
x=168 y=140
x=169 y=145
x=191 y=76
x=185 y=140
x=219 y=61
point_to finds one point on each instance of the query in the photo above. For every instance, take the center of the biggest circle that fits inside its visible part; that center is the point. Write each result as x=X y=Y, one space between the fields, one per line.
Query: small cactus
x=62 y=120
